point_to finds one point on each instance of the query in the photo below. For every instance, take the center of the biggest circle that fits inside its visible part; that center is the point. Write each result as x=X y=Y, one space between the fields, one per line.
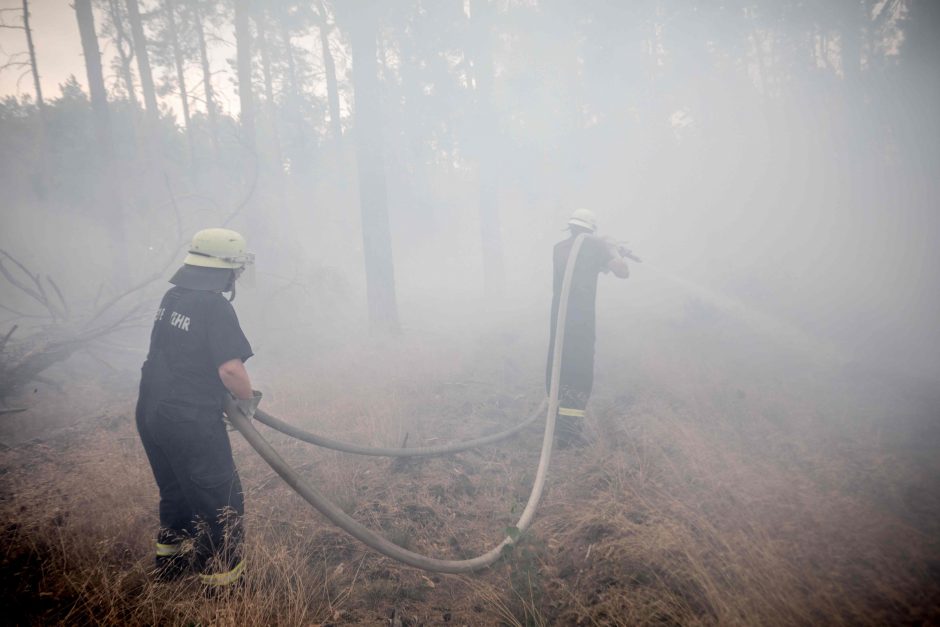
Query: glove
x=247 y=407
x=620 y=248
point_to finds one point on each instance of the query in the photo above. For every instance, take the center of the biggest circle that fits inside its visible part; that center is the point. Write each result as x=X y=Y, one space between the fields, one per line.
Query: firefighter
x=197 y=354
x=577 y=363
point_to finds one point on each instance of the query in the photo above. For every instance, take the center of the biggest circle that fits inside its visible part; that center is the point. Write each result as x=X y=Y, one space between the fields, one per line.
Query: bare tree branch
x=38 y=294
x=156 y=275
x=13 y=64
x=9 y=277
x=58 y=292
x=6 y=338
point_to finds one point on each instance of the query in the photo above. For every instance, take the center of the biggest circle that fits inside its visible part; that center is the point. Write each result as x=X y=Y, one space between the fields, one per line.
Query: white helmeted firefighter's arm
x=235 y=379
x=618 y=263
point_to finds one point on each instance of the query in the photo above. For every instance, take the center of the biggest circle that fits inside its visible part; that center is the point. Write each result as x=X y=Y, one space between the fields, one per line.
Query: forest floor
x=728 y=481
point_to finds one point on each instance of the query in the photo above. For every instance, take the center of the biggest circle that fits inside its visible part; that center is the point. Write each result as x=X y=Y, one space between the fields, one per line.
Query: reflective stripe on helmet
x=224 y=579
x=245 y=259
x=166 y=550
x=565 y=411
x=218 y=248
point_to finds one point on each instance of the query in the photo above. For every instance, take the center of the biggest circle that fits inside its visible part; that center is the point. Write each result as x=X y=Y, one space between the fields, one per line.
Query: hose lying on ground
x=426 y=451
x=382 y=545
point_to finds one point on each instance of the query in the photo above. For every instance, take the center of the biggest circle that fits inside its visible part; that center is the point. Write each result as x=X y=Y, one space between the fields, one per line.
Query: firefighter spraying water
x=597 y=256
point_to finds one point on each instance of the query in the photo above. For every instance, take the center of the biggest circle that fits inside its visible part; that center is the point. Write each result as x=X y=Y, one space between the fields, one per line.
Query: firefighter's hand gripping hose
x=377 y=542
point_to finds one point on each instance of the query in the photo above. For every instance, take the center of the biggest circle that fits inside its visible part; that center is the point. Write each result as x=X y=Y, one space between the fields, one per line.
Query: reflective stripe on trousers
x=224 y=579
x=168 y=550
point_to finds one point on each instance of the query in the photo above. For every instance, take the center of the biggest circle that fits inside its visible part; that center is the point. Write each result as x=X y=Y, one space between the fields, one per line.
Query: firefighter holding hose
x=596 y=256
x=197 y=354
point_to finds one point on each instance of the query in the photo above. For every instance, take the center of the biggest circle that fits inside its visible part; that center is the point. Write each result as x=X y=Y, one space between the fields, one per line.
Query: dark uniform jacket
x=194 y=333
x=577 y=367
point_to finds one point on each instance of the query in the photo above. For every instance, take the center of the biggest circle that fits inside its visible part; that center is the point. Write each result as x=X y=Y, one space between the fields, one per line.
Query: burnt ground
x=744 y=486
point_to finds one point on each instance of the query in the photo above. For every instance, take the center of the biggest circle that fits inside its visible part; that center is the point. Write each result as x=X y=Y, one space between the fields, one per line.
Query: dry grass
x=734 y=490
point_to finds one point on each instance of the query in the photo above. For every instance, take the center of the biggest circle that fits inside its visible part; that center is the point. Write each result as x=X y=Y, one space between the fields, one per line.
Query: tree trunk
x=40 y=103
x=114 y=213
x=170 y=11
x=850 y=52
x=243 y=53
x=270 y=105
x=211 y=110
x=329 y=68
x=294 y=101
x=376 y=236
x=143 y=61
x=99 y=96
x=127 y=76
x=494 y=274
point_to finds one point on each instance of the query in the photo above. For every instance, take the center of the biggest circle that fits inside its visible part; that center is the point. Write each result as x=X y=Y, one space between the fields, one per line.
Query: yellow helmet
x=218 y=248
x=584 y=218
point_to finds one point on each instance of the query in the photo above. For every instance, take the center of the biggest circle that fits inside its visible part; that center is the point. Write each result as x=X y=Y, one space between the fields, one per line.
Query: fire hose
x=368 y=537
x=426 y=451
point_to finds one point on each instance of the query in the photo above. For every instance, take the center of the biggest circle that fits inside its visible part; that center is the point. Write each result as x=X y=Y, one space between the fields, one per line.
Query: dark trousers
x=577 y=370
x=200 y=492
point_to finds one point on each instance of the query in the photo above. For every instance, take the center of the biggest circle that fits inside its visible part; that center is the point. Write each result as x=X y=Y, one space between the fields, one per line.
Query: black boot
x=173 y=559
x=569 y=431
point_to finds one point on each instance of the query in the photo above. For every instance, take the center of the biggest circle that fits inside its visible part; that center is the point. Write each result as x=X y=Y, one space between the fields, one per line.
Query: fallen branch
x=6 y=338
x=23 y=360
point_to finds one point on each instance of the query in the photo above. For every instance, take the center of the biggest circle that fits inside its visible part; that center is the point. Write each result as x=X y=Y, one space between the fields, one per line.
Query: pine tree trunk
x=34 y=68
x=109 y=194
x=211 y=108
x=494 y=274
x=143 y=61
x=329 y=68
x=294 y=103
x=40 y=104
x=127 y=76
x=99 y=96
x=170 y=10
x=270 y=105
x=243 y=47
x=373 y=203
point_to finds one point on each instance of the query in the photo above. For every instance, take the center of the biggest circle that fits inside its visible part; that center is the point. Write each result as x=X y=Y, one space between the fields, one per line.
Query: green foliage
x=539 y=77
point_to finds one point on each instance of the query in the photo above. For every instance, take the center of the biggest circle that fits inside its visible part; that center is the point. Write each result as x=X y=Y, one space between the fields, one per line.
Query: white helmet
x=216 y=258
x=218 y=248
x=584 y=218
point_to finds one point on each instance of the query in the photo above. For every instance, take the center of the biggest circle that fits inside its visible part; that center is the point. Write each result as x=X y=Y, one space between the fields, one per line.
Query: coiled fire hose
x=365 y=535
